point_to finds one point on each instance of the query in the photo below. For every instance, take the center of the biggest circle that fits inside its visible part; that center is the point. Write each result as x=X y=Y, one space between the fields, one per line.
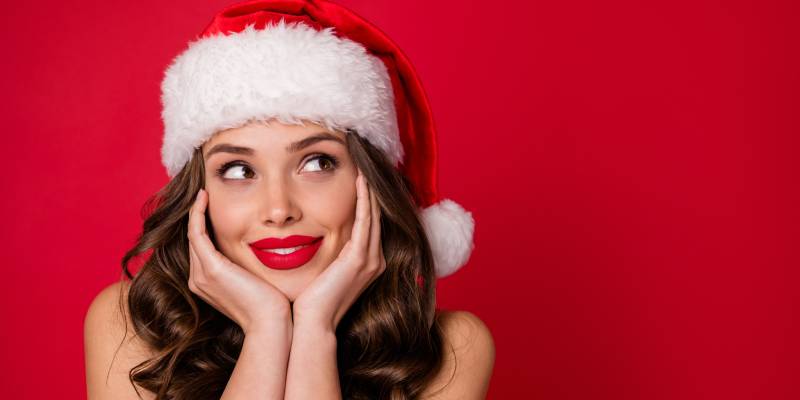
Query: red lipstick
x=294 y=259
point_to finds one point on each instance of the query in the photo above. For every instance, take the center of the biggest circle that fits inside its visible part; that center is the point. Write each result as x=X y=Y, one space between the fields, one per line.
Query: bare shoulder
x=110 y=348
x=469 y=354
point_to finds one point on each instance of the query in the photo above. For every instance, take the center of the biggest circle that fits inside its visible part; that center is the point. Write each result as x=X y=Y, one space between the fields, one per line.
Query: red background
x=630 y=165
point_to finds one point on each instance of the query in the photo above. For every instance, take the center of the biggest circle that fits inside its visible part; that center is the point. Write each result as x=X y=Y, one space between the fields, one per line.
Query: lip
x=289 y=241
x=286 y=261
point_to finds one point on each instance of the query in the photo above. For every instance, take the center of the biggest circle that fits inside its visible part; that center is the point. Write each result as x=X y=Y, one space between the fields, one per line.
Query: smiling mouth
x=288 y=250
x=288 y=257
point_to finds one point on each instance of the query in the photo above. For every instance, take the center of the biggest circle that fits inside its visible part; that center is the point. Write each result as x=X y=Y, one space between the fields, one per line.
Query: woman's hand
x=246 y=299
x=325 y=301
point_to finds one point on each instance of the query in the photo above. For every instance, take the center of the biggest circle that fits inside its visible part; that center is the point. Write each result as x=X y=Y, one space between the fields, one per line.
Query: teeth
x=285 y=251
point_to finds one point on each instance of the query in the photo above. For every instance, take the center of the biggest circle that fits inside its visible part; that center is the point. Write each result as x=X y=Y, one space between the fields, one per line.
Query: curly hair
x=389 y=343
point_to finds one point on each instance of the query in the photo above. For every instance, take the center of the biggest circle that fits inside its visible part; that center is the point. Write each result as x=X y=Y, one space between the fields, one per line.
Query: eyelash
x=334 y=162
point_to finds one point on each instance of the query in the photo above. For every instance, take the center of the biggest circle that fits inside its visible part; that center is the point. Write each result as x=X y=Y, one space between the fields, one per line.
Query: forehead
x=265 y=132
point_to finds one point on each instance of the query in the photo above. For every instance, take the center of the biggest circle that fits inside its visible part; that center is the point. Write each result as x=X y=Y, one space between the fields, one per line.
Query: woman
x=291 y=254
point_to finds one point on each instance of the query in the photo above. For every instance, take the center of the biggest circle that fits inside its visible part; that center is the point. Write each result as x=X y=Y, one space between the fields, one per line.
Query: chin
x=293 y=285
x=292 y=294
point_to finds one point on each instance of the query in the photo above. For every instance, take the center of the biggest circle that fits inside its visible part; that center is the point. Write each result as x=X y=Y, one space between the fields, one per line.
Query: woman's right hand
x=246 y=299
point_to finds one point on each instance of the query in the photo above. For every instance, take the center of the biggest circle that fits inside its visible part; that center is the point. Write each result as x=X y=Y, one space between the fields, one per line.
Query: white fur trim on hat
x=290 y=72
x=450 y=230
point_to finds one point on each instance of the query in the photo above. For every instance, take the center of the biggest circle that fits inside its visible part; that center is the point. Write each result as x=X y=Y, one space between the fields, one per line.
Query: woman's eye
x=235 y=171
x=323 y=163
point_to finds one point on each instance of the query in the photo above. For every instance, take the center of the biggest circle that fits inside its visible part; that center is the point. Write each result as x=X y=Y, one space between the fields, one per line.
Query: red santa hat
x=314 y=60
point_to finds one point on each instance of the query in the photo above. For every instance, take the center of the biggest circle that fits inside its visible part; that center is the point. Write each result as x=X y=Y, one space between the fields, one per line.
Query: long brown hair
x=389 y=343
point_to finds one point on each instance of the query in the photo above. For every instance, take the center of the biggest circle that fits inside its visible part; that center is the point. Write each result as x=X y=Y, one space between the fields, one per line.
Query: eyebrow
x=291 y=148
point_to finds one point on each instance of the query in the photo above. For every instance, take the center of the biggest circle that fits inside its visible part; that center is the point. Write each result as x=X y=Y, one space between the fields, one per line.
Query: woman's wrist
x=310 y=321
x=313 y=331
x=261 y=367
x=278 y=323
x=308 y=324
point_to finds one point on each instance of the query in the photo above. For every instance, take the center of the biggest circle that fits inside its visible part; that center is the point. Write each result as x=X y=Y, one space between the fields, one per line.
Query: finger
x=198 y=208
x=195 y=266
x=198 y=237
x=195 y=263
x=201 y=250
x=375 y=227
x=362 y=220
x=196 y=272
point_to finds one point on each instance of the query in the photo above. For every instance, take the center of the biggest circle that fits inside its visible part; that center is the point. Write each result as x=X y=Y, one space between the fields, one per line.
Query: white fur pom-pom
x=449 y=228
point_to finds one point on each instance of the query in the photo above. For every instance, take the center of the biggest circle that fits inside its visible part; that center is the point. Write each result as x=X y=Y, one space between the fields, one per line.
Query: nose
x=278 y=206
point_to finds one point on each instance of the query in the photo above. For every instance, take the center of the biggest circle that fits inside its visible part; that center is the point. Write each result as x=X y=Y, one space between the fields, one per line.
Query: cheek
x=333 y=206
x=227 y=217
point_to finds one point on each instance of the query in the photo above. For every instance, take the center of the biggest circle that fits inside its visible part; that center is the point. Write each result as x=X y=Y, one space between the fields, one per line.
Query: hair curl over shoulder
x=389 y=342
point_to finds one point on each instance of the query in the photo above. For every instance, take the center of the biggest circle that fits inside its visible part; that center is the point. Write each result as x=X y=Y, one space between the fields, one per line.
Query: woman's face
x=263 y=187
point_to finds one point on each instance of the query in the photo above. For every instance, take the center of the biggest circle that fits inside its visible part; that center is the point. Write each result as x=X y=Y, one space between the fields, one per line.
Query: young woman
x=291 y=255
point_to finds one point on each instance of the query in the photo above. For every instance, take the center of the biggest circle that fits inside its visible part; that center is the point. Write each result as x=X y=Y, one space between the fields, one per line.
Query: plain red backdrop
x=630 y=165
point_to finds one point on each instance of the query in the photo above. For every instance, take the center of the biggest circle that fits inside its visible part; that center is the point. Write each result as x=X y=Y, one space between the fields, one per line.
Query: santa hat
x=313 y=60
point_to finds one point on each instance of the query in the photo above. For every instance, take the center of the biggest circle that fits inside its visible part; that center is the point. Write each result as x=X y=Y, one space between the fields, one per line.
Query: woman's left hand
x=325 y=301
